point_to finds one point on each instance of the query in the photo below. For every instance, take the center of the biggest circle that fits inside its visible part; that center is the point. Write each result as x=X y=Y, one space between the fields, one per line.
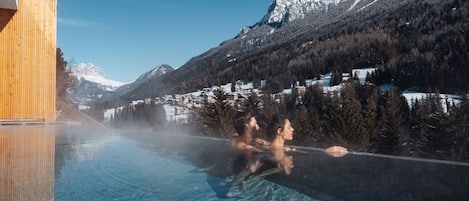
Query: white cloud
x=75 y=22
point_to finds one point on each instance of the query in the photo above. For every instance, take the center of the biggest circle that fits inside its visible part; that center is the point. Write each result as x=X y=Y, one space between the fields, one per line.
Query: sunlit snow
x=179 y=111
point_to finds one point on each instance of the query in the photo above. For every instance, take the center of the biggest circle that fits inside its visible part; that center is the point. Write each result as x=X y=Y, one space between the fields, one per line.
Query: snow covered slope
x=92 y=83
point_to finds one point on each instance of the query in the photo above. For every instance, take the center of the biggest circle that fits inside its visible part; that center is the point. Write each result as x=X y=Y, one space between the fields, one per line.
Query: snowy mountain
x=143 y=80
x=92 y=73
x=92 y=83
x=292 y=34
x=284 y=11
x=156 y=72
x=315 y=12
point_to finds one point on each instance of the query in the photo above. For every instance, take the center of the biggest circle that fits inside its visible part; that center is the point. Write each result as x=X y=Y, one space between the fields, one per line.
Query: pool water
x=74 y=163
x=107 y=165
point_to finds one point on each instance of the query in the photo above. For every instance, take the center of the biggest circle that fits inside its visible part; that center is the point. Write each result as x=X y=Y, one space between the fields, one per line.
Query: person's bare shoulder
x=234 y=140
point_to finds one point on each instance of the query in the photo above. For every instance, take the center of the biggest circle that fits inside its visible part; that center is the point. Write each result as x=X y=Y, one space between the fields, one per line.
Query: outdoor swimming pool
x=89 y=163
x=115 y=166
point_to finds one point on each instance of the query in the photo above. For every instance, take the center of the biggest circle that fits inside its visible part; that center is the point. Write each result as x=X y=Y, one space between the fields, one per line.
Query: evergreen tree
x=460 y=149
x=428 y=132
x=64 y=78
x=330 y=124
x=350 y=124
x=336 y=77
x=233 y=85
x=394 y=131
x=371 y=116
x=417 y=129
x=268 y=108
x=306 y=124
x=142 y=115
x=216 y=117
x=252 y=104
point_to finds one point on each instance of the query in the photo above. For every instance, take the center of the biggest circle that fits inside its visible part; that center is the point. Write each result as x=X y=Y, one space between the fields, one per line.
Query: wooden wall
x=28 y=60
x=27 y=155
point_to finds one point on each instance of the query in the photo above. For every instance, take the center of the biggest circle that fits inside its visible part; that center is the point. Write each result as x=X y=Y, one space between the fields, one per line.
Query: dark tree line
x=216 y=118
x=361 y=118
x=432 y=50
x=421 y=45
x=64 y=79
x=141 y=115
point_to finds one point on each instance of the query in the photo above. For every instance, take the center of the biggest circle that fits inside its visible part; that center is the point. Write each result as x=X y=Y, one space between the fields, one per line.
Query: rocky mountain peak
x=156 y=72
x=284 y=11
x=87 y=69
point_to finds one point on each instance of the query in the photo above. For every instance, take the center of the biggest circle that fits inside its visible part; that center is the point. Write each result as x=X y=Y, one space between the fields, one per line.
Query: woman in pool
x=281 y=131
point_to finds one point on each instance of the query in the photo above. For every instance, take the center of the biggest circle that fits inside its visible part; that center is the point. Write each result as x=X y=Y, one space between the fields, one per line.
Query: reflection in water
x=79 y=144
x=99 y=164
x=130 y=166
x=353 y=177
x=27 y=163
x=377 y=177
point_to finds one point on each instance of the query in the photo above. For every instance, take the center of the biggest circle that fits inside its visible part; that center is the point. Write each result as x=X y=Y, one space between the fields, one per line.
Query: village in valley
x=178 y=107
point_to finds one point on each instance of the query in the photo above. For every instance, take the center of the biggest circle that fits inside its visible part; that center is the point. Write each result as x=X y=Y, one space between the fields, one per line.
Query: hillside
x=411 y=42
x=415 y=46
x=69 y=113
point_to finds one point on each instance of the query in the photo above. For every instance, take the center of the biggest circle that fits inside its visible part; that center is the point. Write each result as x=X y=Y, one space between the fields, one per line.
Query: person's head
x=280 y=126
x=245 y=122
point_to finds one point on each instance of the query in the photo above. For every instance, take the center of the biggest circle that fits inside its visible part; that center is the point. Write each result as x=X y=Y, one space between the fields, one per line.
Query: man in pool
x=245 y=125
x=248 y=147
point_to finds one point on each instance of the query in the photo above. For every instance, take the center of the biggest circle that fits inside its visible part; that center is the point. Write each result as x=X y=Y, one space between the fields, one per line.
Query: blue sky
x=127 y=38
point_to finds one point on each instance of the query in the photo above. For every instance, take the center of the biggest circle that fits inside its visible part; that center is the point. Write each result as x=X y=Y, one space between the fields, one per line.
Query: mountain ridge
x=143 y=79
x=93 y=85
x=267 y=51
x=260 y=36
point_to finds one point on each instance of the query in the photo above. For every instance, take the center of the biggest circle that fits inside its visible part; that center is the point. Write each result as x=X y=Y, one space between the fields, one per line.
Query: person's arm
x=262 y=144
x=261 y=141
x=242 y=146
x=287 y=149
x=336 y=151
x=293 y=149
x=252 y=148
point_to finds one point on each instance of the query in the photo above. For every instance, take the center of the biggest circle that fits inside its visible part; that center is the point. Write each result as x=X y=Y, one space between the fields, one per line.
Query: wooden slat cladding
x=27 y=155
x=28 y=60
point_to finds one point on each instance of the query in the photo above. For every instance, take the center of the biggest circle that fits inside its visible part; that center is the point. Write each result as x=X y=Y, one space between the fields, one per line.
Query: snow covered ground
x=176 y=114
x=173 y=114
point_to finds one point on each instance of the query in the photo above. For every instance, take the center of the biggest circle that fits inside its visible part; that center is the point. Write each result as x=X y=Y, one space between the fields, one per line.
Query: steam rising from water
x=143 y=165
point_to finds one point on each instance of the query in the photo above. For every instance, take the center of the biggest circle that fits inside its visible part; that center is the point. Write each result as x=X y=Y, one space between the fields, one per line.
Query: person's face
x=287 y=132
x=253 y=126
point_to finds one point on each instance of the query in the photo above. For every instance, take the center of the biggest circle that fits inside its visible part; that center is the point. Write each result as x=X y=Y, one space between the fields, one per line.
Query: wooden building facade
x=28 y=31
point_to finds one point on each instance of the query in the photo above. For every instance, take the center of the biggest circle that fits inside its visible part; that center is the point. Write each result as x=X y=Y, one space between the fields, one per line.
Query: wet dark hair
x=277 y=121
x=240 y=120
